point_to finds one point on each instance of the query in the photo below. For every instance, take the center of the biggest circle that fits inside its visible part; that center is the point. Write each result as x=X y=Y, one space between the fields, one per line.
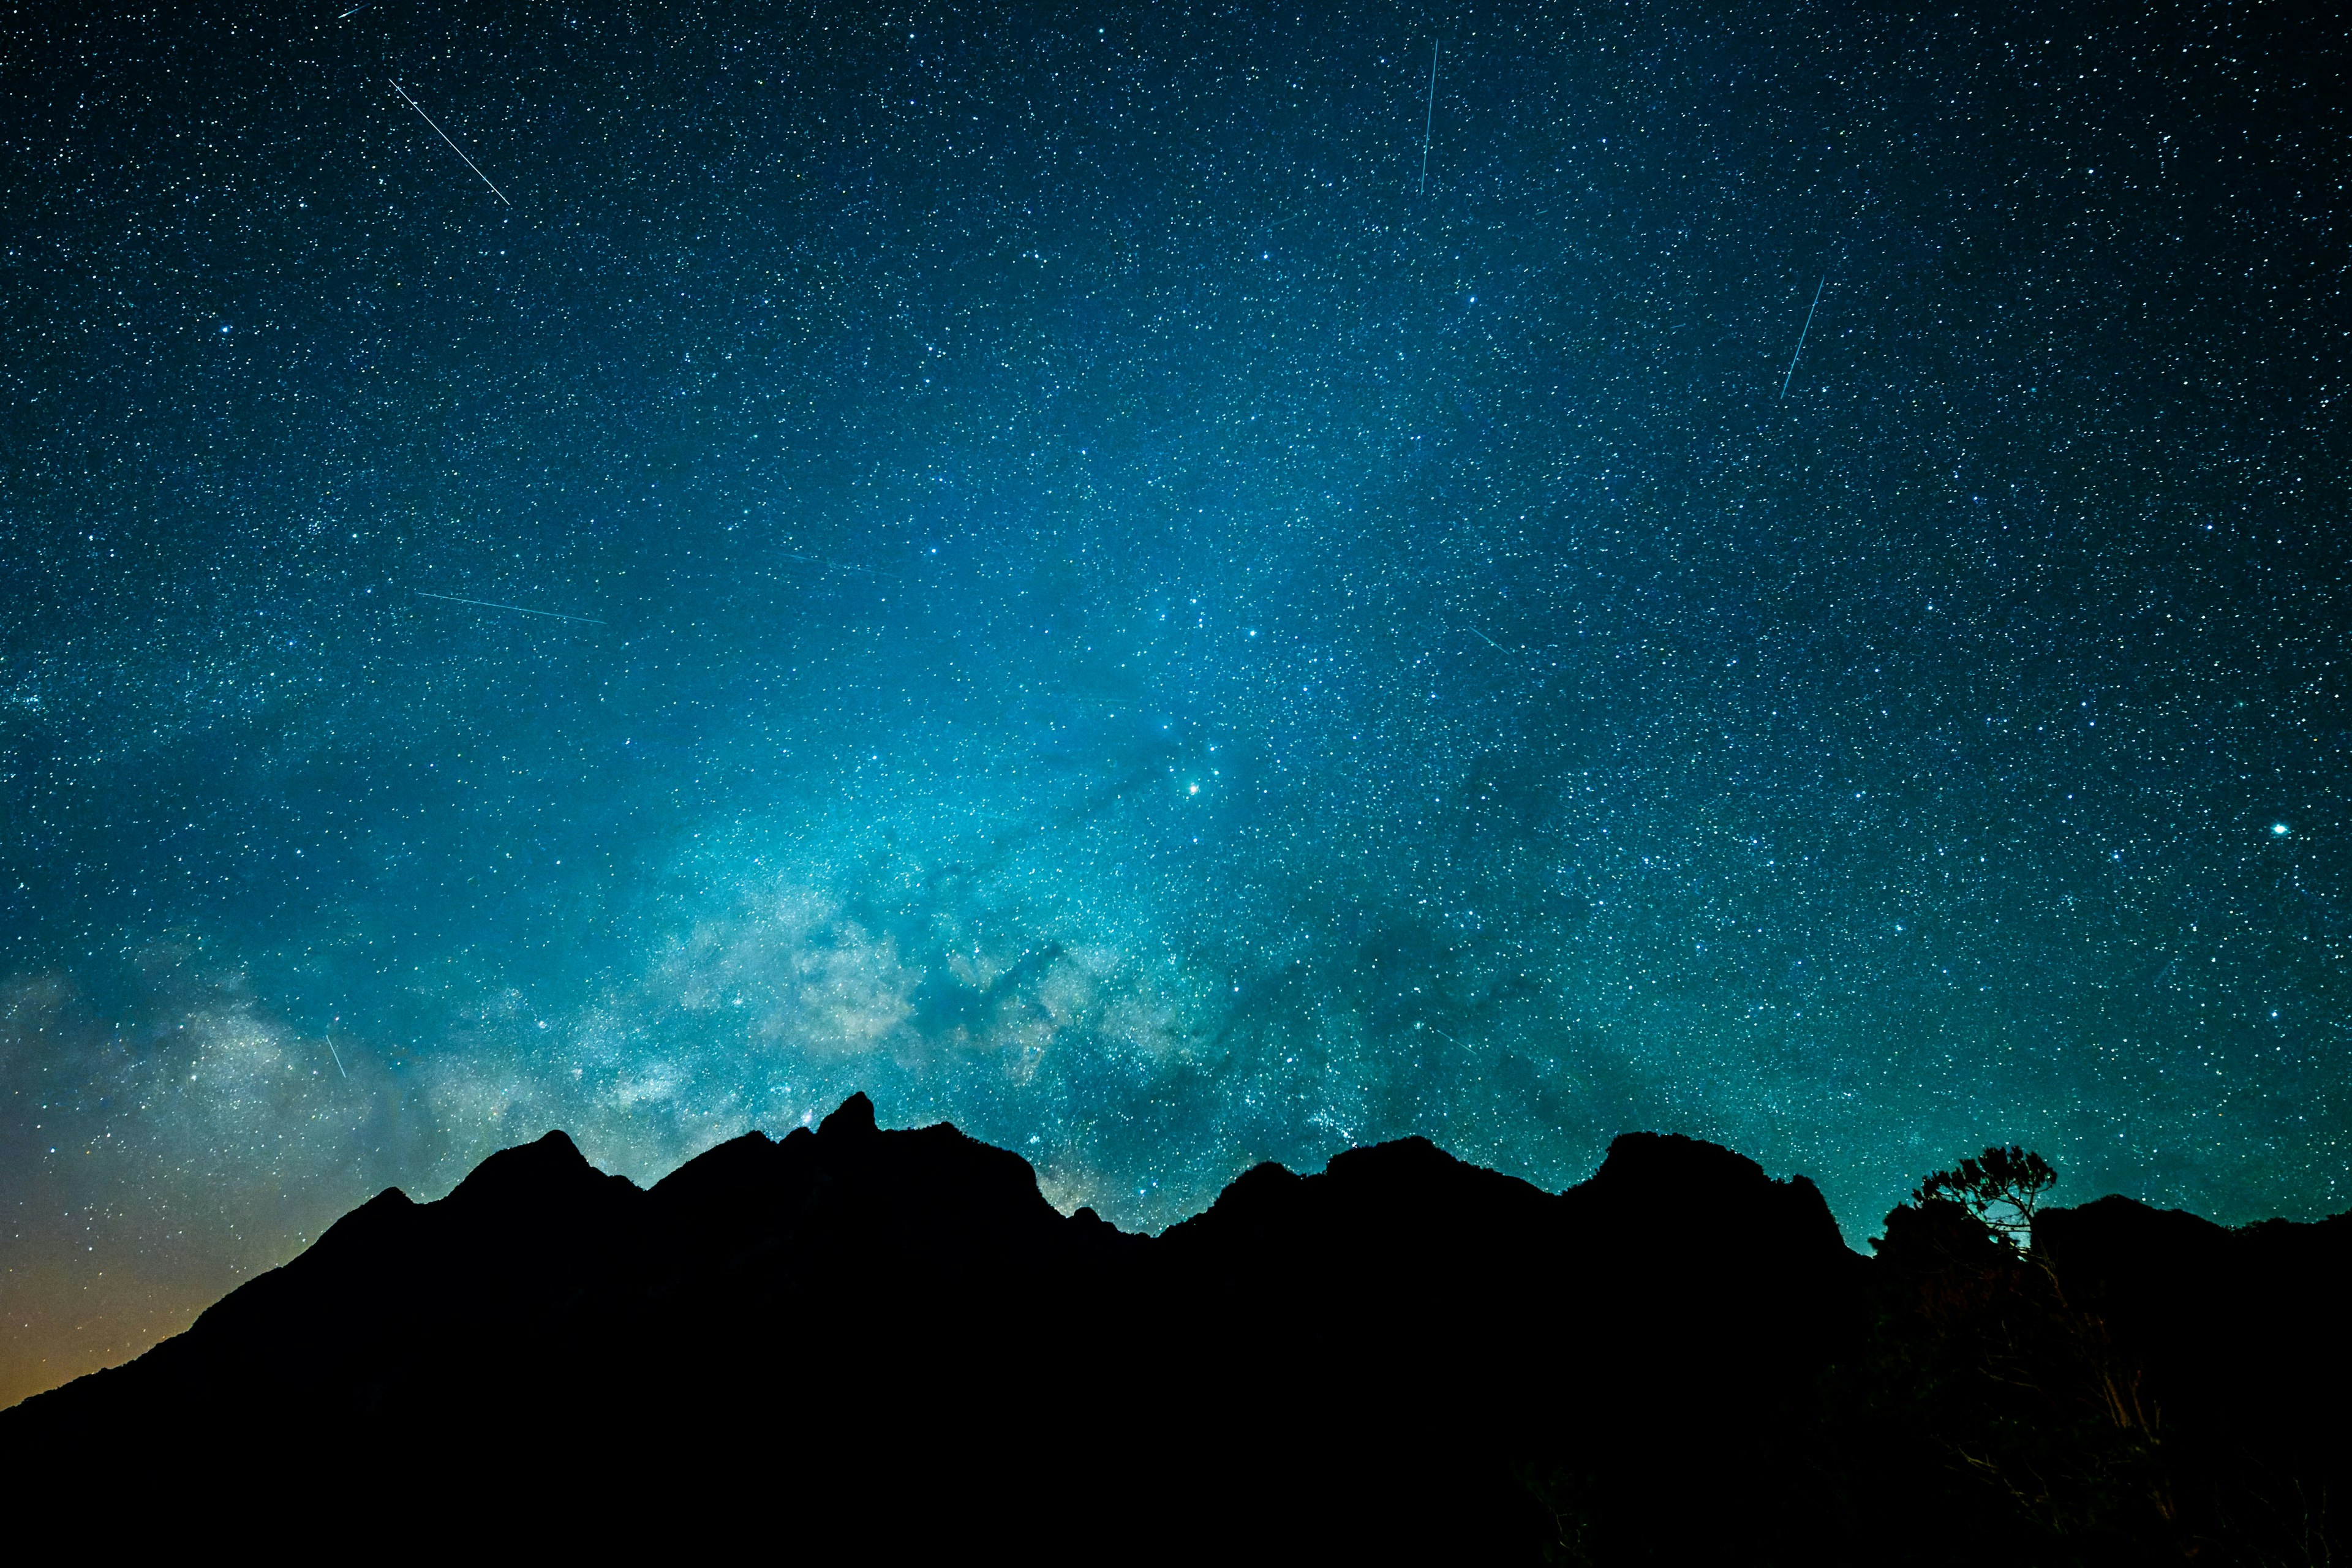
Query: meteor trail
x=1800 y=336
x=517 y=609
x=1429 y=117
x=454 y=148
x=835 y=565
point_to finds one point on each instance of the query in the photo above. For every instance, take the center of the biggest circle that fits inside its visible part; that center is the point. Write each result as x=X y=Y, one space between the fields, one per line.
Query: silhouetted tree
x=1569 y=1494
x=2002 y=1188
x=1987 y=1401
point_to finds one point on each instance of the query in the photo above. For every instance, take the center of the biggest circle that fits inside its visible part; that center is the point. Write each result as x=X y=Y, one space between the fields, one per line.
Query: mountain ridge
x=1678 y=1359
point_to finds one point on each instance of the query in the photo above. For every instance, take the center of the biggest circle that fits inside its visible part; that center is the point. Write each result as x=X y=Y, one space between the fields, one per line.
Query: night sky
x=1105 y=606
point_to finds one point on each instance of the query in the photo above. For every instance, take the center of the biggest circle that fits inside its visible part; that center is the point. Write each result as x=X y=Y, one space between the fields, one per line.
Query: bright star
x=2280 y=830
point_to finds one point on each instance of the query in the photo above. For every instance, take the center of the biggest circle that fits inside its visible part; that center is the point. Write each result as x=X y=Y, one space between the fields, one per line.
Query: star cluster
x=1028 y=561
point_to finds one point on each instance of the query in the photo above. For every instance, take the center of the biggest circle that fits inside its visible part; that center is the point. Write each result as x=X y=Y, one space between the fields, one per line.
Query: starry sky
x=1169 y=585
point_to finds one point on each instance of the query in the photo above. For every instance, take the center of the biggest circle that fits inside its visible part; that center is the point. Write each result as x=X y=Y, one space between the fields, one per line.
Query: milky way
x=1023 y=561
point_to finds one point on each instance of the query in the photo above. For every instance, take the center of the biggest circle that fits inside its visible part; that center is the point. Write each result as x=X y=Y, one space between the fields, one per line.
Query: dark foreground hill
x=857 y=1342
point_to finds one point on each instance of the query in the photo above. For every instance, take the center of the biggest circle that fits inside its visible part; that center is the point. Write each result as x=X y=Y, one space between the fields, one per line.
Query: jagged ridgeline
x=887 y=1343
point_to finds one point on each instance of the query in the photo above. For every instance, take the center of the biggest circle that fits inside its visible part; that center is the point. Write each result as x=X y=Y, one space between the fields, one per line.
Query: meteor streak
x=452 y=147
x=517 y=609
x=1429 y=117
x=835 y=565
x=1800 y=336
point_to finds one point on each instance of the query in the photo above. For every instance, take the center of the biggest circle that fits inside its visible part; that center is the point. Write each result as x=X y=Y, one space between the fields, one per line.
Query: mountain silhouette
x=888 y=1343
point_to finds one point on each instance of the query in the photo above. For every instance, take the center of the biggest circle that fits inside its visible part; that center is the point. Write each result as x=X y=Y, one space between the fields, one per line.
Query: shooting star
x=1800 y=336
x=833 y=565
x=1429 y=117
x=355 y=10
x=517 y=609
x=334 y=1053
x=445 y=136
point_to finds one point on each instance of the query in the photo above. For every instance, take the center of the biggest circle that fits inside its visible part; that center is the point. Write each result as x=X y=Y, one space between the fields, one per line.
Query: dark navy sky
x=1110 y=613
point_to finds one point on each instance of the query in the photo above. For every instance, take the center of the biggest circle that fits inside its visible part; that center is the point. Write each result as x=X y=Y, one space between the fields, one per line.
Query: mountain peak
x=550 y=1157
x=1705 y=1190
x=536 y=1182
x=853 y=1119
